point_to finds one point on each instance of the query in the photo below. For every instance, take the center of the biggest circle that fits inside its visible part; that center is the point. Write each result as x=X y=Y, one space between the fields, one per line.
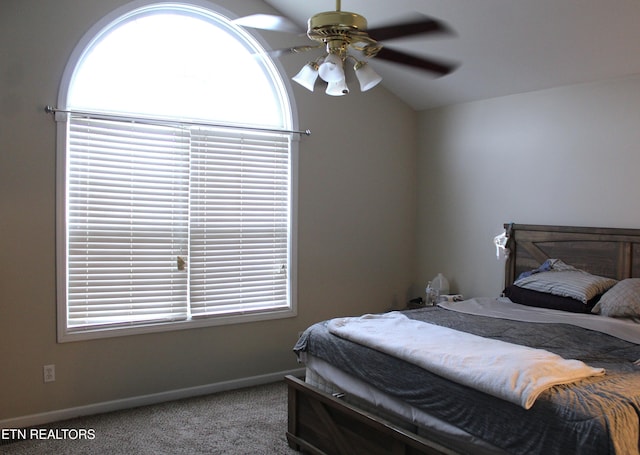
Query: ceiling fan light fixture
x=342 y=34
x=367 y=77
x=338 y=88
x=307 y=76
x=332 y=69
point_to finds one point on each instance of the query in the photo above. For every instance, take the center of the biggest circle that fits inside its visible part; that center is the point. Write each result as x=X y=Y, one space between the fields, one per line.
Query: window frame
x=62 y=135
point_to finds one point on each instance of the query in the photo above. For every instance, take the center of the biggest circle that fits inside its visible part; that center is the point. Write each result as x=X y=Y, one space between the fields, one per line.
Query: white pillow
x=577 y=284
x=621 y=301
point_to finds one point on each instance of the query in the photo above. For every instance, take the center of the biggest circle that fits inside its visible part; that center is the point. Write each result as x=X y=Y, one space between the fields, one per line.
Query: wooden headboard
x=610 y=252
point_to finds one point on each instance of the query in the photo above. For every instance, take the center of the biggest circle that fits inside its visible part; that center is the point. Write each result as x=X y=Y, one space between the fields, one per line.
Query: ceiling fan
x=345 y=36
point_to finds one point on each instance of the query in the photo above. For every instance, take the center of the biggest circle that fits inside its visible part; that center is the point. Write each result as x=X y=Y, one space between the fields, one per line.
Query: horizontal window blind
x=127 y=222
x=168 y=223
x=239 y=221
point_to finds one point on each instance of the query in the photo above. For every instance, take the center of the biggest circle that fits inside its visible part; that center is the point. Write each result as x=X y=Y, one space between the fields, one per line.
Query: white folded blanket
x=508 y=371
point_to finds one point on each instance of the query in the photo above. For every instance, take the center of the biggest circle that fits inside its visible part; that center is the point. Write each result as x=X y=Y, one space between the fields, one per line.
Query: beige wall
x=356 y=229
x=565 y=156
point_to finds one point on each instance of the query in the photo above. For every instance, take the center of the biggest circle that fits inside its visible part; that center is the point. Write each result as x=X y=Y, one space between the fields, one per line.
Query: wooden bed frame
x=320 y=423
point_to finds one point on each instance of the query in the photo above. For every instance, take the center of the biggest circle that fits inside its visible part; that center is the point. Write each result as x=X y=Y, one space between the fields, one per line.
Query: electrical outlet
x=49 y=373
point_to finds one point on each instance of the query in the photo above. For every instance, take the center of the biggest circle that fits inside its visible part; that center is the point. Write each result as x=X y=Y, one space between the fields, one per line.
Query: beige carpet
x=247 y=421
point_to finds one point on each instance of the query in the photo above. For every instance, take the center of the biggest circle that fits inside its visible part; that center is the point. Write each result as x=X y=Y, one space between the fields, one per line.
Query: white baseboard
x=144 y=400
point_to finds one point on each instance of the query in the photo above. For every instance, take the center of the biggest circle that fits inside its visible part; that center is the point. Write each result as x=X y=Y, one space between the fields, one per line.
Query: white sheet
x=508 y=371
x=505 y=309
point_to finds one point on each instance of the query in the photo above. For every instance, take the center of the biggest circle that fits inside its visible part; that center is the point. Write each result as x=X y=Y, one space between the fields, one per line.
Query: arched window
x=175 y=194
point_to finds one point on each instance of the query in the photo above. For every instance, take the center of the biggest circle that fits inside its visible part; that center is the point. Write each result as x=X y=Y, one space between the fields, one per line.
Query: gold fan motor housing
x=332 y=25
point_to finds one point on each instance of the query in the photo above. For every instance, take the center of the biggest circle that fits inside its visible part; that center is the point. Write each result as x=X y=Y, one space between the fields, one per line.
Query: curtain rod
x=54 y=110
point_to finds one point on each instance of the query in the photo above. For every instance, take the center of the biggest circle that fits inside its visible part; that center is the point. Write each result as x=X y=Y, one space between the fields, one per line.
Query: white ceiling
x=503 y=46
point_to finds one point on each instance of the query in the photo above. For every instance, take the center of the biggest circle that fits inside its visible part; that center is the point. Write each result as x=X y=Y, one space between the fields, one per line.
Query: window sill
x=65 y=336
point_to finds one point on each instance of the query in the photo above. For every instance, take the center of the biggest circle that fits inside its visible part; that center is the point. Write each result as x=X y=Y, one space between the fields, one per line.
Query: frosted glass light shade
x=331 y=69
x=307 y=76
x=338 y=88
x=367 y=77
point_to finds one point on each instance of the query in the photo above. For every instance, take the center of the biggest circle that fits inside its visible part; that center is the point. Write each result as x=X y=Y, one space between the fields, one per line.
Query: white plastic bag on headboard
x=500 y=241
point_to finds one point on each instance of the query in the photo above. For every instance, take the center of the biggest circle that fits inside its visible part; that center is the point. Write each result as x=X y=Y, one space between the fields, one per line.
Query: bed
x=356 y=398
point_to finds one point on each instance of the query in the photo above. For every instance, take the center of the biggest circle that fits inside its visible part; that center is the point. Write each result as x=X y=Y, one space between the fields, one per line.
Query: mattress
x=334 y=381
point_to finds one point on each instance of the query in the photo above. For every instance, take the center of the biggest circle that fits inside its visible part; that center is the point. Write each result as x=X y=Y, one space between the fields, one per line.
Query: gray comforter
x=600 y=415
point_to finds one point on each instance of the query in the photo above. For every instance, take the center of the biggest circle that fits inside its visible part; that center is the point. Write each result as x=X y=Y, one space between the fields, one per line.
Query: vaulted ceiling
x=502 y=46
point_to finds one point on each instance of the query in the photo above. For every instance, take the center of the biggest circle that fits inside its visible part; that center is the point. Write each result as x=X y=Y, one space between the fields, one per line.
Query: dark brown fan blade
x=419 y=25
x=440 y=68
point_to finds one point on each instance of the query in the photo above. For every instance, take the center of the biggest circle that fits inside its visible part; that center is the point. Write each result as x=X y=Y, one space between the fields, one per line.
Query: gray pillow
x=574 y=283
x=621 y=301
